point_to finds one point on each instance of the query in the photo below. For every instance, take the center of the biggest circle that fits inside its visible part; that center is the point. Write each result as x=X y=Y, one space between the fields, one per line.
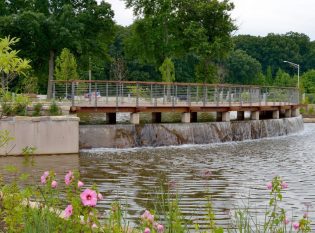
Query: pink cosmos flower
x=286 y=221
x=80 y=184
x=94 y=225
x=147 y=230
x=147 y=216
x=296 y=226
x=54 y=184
x=43 y=178
x=68 y=177
x=68 y=211
x=160 y=228
x=88 y=197
x=99 y=196
x=284 y=185
x=269 y=185
x=305 y=215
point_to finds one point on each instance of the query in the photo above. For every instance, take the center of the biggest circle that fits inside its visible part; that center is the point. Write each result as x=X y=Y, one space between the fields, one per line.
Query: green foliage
x=243 y=68
x=66 y=66
x=54 y=109
x=11 y=64
x=37 y=108
x=29 y=84
x=13 y=104
x=308 y=81
x=167 y=70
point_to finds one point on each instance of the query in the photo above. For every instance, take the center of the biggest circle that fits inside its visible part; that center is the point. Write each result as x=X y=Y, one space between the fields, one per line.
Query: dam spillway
x=154 y=135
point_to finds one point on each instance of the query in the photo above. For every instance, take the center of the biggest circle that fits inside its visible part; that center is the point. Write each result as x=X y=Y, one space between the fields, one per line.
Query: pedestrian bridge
x=112 y=97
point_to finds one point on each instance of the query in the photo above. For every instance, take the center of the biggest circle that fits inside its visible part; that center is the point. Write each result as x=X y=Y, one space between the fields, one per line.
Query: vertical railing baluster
x=72 y=93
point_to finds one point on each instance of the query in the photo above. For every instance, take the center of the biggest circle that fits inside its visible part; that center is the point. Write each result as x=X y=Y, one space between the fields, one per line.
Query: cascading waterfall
x=128 y=136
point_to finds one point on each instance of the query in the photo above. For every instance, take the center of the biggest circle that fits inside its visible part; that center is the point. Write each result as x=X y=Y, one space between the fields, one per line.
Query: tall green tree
x=66 y=67
x=175 y=28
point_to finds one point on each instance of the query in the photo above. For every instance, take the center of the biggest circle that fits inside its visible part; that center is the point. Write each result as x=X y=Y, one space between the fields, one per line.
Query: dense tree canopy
x=194 y=38
x=45 y=27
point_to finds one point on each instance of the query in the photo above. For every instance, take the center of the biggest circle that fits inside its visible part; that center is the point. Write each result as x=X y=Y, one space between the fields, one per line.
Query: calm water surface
x=239 y=172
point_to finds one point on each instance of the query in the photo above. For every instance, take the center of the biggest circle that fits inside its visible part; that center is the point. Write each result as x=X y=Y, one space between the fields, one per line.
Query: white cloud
x=123 y=16
x=260 y=17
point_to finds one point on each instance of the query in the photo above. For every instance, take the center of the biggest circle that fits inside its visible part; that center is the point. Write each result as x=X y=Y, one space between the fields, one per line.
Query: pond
x=232 y=173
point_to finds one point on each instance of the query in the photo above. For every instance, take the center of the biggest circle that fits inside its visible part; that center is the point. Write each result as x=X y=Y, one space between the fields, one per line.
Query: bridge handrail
x=170 y=83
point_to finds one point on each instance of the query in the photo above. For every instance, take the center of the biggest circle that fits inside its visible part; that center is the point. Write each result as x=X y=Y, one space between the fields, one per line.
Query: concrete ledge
x=49 y=135
x=309 y=120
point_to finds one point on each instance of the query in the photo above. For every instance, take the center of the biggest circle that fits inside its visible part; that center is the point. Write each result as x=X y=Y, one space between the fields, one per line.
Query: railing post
x=122 y=93
x=217 y=97
x=241 y=99
x=137 y=94
x=54 y=91
x=72 y=93
x=175 y=94
x=95 y=93
x=250 y=96
x=230 y=97
x=164 y=94
x=189 y=95
x=117 y=93
x=155 y=95
x=204 y=95
x=106 y=93
x=151 y=94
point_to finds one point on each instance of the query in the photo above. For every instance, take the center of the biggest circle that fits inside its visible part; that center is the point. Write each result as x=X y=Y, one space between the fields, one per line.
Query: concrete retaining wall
x=128 y=136
x=49 y=135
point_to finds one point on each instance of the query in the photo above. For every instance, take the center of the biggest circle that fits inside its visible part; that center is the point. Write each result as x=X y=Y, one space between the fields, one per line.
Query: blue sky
x=255 y=17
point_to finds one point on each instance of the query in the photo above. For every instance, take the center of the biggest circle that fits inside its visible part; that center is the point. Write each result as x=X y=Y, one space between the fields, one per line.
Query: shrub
x=54 y=109
x=37 y=109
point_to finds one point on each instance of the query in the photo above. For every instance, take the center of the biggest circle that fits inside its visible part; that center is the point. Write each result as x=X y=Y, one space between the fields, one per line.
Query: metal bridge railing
x=142 y=94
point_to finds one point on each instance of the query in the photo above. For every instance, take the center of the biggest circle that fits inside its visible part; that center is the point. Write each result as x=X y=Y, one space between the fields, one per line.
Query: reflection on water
x=228 y=172
x=58 y=163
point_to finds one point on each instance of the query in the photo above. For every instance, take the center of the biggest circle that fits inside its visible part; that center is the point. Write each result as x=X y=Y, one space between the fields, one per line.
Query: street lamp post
x=298 y=69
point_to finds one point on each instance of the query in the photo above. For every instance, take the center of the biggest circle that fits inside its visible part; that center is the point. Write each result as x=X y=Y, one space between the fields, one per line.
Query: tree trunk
x=50 y=74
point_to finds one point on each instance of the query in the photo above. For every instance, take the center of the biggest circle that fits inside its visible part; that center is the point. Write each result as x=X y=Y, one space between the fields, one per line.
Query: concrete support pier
x=111 y=118
x=254 y=115
x=186 y=117
x=156 y=117
x=135 y=118
x=226 y=116
x=240 y=115
x=287 y=113
x=295 y=112
x=275 y=114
